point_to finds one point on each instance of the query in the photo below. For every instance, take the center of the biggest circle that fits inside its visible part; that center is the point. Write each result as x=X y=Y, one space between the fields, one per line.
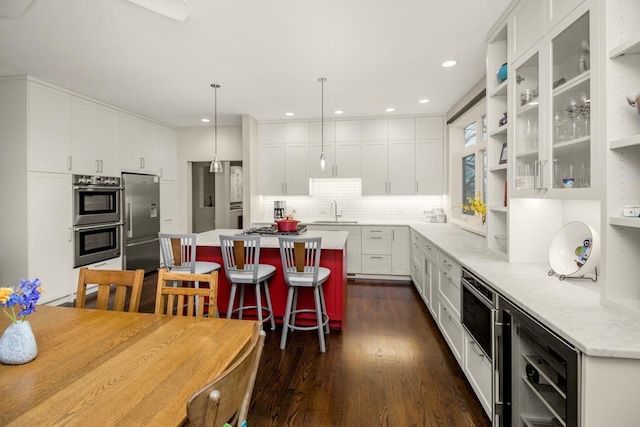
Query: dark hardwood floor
x=389 y=367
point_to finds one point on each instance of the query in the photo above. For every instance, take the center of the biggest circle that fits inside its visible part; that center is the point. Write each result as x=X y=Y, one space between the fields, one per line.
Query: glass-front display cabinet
x=571 y=107
x=527 y=142
x=553 y=114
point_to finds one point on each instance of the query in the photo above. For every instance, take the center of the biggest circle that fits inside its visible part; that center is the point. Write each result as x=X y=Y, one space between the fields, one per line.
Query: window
x=470 y=135
x=468 y=154
x=468 y=179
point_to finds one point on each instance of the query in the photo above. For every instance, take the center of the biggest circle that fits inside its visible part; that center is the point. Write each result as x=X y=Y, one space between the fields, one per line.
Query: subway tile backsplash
x=351 y=203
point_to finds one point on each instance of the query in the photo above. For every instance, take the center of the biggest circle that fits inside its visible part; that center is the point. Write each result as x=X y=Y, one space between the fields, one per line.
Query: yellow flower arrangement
x=476 y=205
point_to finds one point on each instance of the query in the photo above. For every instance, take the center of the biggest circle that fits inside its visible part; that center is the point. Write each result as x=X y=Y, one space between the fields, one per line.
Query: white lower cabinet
x=477 y=367
x=400 y=251
x=451 y=329
x=376 y=250
x=50 y=245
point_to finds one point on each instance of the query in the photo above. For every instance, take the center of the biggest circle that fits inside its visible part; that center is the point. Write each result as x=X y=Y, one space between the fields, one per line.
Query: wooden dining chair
x=190 y=299
x=227 y=397
x=124 y=281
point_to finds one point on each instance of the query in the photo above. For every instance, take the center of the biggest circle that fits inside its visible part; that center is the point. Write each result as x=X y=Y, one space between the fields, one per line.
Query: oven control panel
x=104 y=181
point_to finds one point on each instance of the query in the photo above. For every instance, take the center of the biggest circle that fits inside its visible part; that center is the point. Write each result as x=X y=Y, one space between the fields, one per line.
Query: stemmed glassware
x=585 y=112
x=573 y=110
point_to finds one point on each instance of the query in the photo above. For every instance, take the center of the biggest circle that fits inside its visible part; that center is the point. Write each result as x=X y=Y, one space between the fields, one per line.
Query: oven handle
x=97 y=226
x=478 y=295
x=95 y=187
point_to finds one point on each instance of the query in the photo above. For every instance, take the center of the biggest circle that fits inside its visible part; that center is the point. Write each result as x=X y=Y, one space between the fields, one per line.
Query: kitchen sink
x=334 y=222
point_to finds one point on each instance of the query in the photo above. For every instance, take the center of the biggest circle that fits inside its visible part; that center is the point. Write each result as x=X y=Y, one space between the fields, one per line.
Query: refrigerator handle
x=129 y=213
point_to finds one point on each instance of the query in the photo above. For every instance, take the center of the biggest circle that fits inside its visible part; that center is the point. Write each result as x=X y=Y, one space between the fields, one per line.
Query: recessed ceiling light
x=205 y=120
x=338 y=112
x=288 y=114
x=423 y=101
x=390 y=109
x=449 y=63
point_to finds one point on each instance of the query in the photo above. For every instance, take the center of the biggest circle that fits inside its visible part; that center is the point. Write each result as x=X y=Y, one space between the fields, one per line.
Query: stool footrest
x=325 y=320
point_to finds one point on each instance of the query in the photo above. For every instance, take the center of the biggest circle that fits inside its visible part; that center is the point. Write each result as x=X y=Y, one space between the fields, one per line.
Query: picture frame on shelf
x=503 y=154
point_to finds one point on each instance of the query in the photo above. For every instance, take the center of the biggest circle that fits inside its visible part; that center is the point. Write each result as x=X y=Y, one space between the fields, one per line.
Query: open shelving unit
x=622 y=237
x=498 y=136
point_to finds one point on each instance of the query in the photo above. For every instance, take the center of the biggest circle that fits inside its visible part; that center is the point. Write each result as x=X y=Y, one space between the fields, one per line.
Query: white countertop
x=571 y=308
x=334 y=240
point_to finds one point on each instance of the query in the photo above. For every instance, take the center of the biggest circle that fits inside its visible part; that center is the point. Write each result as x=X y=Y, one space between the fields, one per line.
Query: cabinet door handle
x=375 y=237
x=444 y=261
x=69 y=233
x=160 y=172
x=97 y=165
x=101 y=166
x=68 y=162
x=376 y=257
x=472 y=344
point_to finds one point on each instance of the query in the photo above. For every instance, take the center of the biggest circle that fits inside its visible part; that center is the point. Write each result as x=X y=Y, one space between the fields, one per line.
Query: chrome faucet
x=334 y=204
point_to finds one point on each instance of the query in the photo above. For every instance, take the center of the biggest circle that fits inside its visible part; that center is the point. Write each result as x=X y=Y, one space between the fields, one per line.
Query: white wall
x=197 y=145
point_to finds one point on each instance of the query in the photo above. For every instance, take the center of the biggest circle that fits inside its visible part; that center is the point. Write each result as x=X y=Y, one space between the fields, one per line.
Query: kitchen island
x=334 y=257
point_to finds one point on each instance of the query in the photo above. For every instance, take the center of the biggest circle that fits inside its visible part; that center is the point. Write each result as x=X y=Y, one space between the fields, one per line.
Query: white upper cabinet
x=348 y=130
x=271 y=133
x=284 y=169
x=49 y=129
x=429 y=127
x=138 y=144
x=342 y=158
x=401 y=171
x=374 y=168
x=168 y=153
x=375 y=130
x=109 y=141
x=296 y=133
x=402 y=129
x=318 y=132
x=429 y=167
x=527 y=26
x=95 y=138
x=556 y=10
x=272 y=169
x=84 y=136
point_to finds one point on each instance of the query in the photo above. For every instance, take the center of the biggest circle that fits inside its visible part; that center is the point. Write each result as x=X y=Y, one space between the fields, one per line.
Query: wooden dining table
x=97 y=367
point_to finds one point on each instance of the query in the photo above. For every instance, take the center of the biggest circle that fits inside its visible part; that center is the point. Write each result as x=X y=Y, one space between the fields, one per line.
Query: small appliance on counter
x=279 y=207
x=273 y=231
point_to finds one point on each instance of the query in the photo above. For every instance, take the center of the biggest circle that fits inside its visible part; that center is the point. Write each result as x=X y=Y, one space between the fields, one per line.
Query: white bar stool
x=241 y=257
x=301 y=267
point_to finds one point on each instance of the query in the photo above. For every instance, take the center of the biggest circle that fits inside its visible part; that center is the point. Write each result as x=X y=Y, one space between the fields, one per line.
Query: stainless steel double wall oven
x=97 y=218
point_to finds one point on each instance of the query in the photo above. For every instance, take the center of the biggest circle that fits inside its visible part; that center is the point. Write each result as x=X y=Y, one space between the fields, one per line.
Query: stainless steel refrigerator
x=141 y=222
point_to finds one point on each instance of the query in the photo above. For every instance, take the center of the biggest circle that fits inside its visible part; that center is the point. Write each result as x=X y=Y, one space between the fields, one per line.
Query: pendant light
x=323 y=159
x=216 y=165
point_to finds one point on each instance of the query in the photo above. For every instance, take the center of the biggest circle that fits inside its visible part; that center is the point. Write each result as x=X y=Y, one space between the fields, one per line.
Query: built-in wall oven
x=96 y=199
x=478 y=312
x=97 y=219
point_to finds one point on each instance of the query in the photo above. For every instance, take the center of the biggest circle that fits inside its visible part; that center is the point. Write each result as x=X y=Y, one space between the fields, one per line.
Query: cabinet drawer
x=477 y=368
x=450 y=291
x=451 y=329
x=368 y=230
x=376 y=264
x=448 y=265
x=380 y=245
x=430 y=250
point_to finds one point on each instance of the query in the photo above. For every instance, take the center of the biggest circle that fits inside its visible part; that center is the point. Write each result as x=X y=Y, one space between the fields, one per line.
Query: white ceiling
x=266 y=54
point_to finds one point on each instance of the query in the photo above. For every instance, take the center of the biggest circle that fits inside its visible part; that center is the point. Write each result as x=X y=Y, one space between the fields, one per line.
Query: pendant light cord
x=322 y=113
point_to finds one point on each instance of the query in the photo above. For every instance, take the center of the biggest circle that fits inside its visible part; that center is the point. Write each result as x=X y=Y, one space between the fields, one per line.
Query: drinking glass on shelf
x=573 y=110
x=585 y=112
x=559 y=128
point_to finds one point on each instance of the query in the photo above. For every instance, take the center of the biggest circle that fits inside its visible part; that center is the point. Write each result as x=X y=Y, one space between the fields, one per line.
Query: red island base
x=335 y=288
